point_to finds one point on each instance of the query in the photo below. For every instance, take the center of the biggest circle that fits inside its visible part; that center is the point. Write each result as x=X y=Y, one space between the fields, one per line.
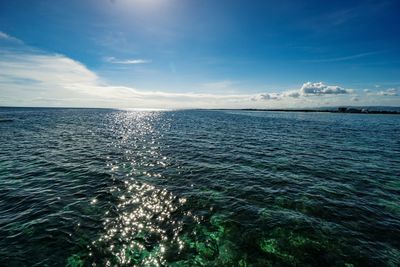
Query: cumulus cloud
x=388 y=92
x=126 y=61
x=322 y=89
x=269 y=96
x=29 y=77
x=307 y=89
x=294 y=94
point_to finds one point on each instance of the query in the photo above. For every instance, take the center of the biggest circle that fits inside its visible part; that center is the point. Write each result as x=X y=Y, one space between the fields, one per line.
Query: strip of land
x=338 y=110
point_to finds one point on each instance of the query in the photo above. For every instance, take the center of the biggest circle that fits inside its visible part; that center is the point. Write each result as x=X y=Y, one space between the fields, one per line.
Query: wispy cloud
x=329 y=19
x=4 y=35
x=9 y=38
x=126 y=61
x=30 y=77
x=344 y=58
x=54 y=79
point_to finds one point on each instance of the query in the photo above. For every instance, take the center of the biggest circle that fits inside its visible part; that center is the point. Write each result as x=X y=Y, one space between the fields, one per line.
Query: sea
x=108 y=187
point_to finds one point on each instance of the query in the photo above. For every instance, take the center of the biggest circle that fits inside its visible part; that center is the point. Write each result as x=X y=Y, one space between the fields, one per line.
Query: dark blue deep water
x=90 y=187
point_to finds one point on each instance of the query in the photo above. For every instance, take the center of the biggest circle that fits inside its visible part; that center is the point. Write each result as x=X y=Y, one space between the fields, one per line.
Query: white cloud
x=388 y=92
x=6 y=37
x=345 y=58
x=126 y=61
x=29 y=77
x=294 y=94
x=321 y=89
x=52 y=69
x=308 y=89
x=266 y=96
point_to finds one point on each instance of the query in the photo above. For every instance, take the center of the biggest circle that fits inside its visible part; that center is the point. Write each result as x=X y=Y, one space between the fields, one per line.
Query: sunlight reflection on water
x=198 y=188
x=142 y=228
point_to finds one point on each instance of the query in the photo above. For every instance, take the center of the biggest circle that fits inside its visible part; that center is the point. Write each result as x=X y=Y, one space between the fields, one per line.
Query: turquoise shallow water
x=198 y=188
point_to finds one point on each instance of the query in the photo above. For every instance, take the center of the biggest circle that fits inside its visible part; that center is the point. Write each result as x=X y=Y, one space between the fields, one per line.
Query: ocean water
x=95 y=187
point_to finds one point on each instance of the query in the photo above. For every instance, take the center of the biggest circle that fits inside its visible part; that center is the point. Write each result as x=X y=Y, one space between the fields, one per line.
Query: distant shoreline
x=339 y=110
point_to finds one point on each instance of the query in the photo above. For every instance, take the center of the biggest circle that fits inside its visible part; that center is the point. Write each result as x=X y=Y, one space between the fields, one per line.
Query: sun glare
x=142 y=4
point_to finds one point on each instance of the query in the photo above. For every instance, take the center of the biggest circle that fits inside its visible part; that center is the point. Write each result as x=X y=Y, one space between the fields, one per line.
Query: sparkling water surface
x=92 y=187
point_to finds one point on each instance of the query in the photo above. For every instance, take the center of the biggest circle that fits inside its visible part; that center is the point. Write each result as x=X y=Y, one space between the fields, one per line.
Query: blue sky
x=199 y=53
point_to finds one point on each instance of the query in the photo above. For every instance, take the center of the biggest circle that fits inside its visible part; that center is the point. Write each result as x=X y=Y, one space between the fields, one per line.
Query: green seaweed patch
x=211 y=245
x=301 y=241
x=272 y=247
x=218 y=221
x=206 y=249
x=292 y=248
x=228 y=253
x=243 y=263
x=135 y=255
x=75 y=260
x=269 y=246
x=182 y=263
x=199 y=261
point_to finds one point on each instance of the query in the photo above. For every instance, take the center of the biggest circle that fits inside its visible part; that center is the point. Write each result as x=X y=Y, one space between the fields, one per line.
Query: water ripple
x=85 y=187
